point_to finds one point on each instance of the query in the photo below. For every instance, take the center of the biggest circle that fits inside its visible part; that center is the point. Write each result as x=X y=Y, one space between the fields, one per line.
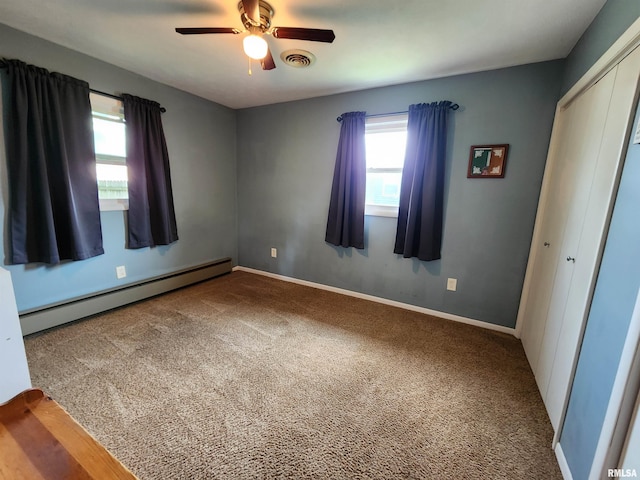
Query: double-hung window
x=385 y=139
x=111 y=156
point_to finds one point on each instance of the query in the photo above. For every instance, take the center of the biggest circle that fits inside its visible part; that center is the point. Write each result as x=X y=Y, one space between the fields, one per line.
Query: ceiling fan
x=256 y=17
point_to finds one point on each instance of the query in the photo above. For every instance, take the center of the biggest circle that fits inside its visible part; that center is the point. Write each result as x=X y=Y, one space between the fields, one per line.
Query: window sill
x=381 y=211
x=113 y=204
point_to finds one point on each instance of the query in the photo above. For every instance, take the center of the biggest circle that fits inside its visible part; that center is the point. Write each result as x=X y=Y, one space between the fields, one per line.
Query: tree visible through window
x=111 y=156
x=385 y=139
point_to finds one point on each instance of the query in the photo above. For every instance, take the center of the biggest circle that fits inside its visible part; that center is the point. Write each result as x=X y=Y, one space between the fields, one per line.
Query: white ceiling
x=377 y=42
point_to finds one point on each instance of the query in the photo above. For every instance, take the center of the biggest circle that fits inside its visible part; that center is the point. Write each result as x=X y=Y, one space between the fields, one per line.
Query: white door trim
x=562 y=463
x=627 y=42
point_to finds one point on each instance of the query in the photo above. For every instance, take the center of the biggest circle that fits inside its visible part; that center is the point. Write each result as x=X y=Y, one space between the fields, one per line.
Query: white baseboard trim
x=385 y=301
x=562 y=462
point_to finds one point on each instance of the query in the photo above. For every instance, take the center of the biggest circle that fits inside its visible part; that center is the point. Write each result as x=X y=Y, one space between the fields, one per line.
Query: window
x=385 y=139
x=111 y=156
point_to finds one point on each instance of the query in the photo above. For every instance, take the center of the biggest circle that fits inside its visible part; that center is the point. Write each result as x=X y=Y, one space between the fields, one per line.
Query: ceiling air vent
x=298 y=58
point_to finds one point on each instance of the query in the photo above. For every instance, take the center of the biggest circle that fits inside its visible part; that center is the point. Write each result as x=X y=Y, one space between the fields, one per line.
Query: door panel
x=588 y=250
x=556 y=209
x=584 y=141
x=566 y=172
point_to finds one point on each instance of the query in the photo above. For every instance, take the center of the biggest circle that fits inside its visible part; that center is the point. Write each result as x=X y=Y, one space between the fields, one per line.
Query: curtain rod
x=3 y=64
x=116 y=97
x=454 y=106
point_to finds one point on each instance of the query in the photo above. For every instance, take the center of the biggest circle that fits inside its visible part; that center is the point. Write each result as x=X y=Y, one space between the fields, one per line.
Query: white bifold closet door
x=587 y=145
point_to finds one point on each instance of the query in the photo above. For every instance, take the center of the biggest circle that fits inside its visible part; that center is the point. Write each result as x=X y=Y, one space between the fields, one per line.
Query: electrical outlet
x=121 y=272
x=274 y=253
x=452 y=284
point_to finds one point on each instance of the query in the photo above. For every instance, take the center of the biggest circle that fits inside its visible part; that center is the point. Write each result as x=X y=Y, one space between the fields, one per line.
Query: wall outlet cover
x=274 y=252
x=452 y=284
x=121 y=271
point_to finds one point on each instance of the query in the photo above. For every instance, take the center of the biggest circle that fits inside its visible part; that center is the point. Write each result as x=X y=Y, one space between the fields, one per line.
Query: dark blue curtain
x=419 y=232
x=151 y=215
x=53 y=212
x=345 y=224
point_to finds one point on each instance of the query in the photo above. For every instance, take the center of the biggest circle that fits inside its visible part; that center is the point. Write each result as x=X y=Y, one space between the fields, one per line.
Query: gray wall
x=201 y=141
x=612 y=21
x=619 y=277
x=286 y=156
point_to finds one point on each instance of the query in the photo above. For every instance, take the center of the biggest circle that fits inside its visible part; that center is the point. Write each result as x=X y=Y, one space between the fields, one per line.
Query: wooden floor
x=39 y=440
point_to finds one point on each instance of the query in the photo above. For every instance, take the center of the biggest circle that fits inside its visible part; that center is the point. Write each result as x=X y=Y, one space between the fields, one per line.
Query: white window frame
x=108 y=108
x=384 y=124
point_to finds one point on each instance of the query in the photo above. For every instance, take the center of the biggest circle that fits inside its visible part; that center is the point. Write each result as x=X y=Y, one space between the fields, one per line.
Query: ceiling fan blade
x=267 y=62
x=201 y=30
x=310 y=34
x=252 y=10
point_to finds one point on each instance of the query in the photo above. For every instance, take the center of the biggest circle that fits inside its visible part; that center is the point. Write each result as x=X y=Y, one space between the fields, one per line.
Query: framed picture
x=487 y=161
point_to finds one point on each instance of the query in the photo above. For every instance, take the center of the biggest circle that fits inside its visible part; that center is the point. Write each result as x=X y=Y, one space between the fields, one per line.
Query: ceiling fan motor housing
x=266 y=14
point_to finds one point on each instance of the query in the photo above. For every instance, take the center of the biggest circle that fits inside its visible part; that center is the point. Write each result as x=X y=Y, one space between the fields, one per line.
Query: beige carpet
x=244 y=377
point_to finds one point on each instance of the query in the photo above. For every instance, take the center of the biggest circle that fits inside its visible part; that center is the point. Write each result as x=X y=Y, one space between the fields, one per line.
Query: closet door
x=586 y=245
x=583 y=140
x=589 y=139
x=561 y=188
x=567 y=180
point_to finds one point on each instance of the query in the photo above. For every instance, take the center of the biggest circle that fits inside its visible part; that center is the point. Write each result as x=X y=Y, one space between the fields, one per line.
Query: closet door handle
x=546 y=244
x=571 y=259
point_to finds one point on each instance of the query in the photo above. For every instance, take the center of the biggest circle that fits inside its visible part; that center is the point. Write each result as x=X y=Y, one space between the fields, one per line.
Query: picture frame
x=487 y=161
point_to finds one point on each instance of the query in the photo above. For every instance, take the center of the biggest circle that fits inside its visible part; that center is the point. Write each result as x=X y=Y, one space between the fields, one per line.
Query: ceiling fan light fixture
x=256 y=16
x=255 y=46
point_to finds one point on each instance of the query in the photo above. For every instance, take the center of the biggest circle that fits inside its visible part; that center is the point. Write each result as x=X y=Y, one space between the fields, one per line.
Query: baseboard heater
x=48 y=316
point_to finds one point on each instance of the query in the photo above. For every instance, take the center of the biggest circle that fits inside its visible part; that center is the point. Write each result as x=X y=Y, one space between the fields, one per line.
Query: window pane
x=385 y=142
x=112 y=181
x=383 y=188
x=386 y=149
x=387 y=123
x=109 y=137
x=106 y=107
